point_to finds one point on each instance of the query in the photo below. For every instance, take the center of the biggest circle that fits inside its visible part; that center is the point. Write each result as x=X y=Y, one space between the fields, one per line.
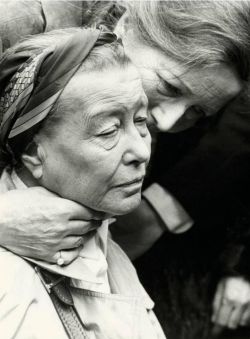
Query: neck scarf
x=33 y=80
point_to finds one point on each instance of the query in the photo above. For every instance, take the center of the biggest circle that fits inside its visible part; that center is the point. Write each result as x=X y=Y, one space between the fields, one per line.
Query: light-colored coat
x=27 y=312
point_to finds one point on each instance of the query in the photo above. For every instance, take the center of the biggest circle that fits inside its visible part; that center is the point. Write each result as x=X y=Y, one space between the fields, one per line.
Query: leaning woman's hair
x=101 y=57
x=196 y=33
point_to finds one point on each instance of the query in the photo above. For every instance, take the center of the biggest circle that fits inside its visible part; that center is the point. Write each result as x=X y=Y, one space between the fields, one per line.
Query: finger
x=67 y=255
x=70 y=242
x=235 y=316
x=79 y=212
x=77 y=227
x=217 y=301
x=245 y=317
x=224 y=313
x=74 y=210
x=70 y=255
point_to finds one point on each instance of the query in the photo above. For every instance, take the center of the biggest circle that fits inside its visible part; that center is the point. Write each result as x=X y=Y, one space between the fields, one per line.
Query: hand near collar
x=38 y=224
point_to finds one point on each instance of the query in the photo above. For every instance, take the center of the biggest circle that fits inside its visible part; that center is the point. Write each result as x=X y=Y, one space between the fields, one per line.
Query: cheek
x=83 y=172
x=100 y=177
x=61 y=165
x=57 y=171
x=103 y=173
x=93 y=186
x=148 y=142
x=83 y=176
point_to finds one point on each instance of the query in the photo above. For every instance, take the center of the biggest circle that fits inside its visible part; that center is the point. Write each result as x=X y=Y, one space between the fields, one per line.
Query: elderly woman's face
x=178 y=96
x=98 y=153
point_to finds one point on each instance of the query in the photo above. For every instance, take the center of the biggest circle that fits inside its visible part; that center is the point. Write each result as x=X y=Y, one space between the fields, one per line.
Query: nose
x=166 y=115
x=138 y=149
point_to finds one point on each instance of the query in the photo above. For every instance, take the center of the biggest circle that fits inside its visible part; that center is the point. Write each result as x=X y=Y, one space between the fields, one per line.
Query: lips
x=132 y=182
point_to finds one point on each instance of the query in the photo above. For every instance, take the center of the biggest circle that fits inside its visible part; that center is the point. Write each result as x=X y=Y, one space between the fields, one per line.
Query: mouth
x=135 y=182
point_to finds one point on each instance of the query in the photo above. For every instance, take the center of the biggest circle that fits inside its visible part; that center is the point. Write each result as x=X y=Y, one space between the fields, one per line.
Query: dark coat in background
x=208 y=170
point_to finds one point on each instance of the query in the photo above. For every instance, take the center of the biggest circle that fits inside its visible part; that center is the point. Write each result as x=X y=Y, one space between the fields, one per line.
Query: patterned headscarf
x=32 y=81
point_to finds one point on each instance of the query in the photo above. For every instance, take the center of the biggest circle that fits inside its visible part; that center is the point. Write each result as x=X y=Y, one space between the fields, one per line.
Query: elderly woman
x=193 y=60
x=74 y=122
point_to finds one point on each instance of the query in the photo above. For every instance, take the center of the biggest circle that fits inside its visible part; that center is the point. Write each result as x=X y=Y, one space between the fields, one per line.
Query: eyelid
x=142 y=113
x=109 y=130
x=168 y=87
x=141 y=118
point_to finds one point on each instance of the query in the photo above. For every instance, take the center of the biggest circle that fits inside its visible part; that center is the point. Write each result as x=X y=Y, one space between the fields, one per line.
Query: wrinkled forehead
x=113 y=89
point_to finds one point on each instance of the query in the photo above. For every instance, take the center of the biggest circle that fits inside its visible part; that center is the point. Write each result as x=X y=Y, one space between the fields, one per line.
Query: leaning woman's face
x=98 y=153
x=179 y=96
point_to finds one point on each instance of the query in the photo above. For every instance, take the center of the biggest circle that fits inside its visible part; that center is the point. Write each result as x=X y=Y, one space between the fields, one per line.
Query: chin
x=127 y=205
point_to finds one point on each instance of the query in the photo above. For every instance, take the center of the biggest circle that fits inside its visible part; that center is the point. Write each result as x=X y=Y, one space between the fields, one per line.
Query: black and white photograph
x=125 y=169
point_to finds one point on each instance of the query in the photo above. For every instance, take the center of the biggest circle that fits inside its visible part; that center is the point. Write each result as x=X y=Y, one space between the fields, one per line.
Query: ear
x=34 y=162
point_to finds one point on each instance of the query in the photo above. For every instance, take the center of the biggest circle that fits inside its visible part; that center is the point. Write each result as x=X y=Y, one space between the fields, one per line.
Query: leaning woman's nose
x=137 y=150
x=166 y=116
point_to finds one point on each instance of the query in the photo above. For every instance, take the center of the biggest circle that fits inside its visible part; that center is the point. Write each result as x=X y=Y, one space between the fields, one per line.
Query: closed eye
x=141 y=125
x=142 y=120
x=167 y=89
x=109 y=132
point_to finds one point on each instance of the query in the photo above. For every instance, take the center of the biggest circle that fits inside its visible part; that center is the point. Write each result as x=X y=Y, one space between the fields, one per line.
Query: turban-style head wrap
x=32 y=81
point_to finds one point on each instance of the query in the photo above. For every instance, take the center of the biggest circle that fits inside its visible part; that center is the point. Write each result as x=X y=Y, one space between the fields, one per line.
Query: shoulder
x=17 y=274
x=17 y=293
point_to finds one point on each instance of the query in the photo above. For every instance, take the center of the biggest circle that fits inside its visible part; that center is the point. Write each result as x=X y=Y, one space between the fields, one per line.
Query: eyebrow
x=119 y=108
